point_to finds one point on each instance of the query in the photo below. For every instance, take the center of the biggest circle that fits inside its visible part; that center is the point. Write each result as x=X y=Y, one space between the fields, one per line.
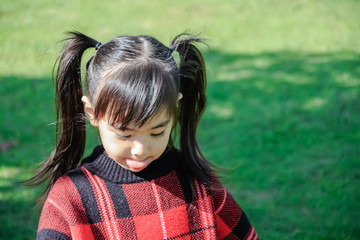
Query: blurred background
x=283 y=116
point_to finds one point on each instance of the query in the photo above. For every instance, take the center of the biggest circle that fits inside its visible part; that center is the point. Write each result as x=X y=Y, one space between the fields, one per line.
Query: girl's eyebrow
x=160 y=125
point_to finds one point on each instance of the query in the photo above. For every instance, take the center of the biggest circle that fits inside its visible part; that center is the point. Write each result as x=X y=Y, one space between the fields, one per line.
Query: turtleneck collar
x=105 y=167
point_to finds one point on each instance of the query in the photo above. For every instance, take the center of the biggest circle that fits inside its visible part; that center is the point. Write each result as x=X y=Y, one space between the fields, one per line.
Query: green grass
x=291 y=135
x=283 y=115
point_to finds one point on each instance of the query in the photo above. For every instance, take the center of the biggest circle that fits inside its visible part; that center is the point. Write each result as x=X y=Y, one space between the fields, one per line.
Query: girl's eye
x=158 y=134
x=123 y=137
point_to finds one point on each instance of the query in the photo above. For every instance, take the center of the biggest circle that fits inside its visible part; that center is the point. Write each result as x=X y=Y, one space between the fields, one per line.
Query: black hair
x=129 y=79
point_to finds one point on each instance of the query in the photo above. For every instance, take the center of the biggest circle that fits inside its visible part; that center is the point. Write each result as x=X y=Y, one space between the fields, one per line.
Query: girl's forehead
x=161 y=119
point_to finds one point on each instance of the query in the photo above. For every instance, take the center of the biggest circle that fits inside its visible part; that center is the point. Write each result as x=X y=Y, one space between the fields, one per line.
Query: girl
x=136 y=185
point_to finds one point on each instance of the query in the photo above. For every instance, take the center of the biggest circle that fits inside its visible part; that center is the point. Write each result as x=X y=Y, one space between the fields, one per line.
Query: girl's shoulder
x=65 y=189
x=67 y=180
x=75 y=179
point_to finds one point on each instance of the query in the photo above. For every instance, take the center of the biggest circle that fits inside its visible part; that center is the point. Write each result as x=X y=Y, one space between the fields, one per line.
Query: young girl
x=136 y=185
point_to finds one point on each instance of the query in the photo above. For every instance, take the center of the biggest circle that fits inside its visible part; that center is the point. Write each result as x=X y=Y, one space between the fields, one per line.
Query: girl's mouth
x=137 y=166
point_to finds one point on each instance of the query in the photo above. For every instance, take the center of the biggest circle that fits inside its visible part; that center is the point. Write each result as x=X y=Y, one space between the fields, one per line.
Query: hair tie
x=171 y=49
x=97 y=45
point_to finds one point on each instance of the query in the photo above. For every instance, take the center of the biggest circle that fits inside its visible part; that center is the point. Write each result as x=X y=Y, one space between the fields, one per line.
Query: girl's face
x=135 y=148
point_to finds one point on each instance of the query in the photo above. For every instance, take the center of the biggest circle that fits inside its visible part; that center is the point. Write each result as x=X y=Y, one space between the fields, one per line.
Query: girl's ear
x=89 y=111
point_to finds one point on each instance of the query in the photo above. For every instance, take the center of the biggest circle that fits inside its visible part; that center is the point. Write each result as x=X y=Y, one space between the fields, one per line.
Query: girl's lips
x=137 y=165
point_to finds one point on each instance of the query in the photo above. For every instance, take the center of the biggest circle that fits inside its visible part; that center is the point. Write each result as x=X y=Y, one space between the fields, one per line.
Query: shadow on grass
x=26 y=111
x=282 y=96
x=18 y=218
x=286 y=123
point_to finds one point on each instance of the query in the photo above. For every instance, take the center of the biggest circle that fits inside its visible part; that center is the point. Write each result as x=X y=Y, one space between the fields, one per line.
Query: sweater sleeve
x=63 y=215
x=53 y=222
x=231 y=221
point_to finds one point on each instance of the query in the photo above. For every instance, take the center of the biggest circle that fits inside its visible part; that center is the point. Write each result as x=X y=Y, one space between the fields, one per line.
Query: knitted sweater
x=102 y=200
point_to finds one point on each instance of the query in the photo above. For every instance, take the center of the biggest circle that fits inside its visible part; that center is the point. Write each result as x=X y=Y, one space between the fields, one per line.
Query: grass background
x=283 y=114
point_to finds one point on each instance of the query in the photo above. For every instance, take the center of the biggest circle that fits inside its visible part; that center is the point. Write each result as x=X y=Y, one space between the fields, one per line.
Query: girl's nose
x=139 y=149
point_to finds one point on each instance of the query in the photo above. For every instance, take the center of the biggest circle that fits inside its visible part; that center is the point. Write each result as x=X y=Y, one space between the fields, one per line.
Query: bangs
x=135 y=93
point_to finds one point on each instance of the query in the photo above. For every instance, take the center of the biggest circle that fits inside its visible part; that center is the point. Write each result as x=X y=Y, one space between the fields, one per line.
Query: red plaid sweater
x=102 y=200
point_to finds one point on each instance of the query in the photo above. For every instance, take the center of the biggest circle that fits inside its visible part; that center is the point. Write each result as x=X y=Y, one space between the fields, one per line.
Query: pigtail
x=192 y=105
x=70 y=124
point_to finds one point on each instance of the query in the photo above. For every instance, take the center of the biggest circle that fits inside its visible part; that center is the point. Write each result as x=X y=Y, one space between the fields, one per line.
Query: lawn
x=283 y=118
